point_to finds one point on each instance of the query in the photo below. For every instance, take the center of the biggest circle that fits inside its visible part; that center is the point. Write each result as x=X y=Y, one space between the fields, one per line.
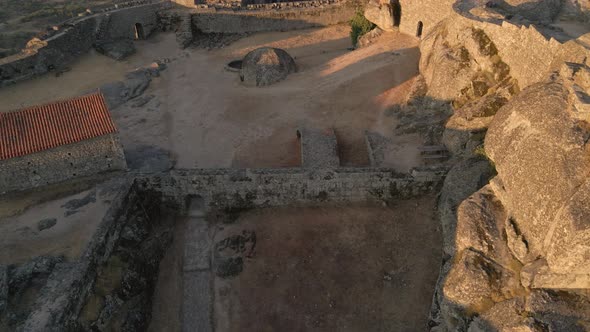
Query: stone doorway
x=139 y=34
x=419 y=29
x=396 y=12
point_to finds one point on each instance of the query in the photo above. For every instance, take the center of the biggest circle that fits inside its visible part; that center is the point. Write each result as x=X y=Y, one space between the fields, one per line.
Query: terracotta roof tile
x=47 y=126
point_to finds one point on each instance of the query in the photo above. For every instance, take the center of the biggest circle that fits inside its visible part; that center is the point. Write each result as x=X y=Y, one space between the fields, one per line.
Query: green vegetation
x=359 y=25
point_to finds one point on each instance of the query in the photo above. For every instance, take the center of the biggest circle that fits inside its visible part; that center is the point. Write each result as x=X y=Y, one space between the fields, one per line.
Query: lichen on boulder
x=265 y=66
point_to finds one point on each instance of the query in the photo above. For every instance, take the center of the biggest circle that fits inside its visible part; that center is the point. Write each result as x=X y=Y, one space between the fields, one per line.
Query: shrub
x=359 y=25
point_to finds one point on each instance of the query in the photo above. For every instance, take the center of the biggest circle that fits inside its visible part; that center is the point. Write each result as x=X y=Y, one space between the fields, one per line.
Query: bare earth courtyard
x=309 y=262
x=315 y=165
x=204 y=117
x=329 y=268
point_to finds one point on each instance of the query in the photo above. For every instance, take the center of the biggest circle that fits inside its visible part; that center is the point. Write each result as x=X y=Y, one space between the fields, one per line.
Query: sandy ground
x=341 y=268
x=77 y=216
x=206 y=118
x=88 y=73
x=202 y=116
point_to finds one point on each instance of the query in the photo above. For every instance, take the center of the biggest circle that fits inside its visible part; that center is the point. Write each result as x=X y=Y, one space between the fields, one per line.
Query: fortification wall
x=235 y=188
x=240 y=21
x=57 y=49
x=427 y=12
x=122 y=22
x=85 y=158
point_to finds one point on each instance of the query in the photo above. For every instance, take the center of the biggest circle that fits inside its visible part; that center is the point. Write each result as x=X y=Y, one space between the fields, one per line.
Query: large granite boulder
x=266 y=65
x=460 y=62
x=542 y=159
x=569 y=247
x=380 y=14
x=464 y=179
x=472 y=286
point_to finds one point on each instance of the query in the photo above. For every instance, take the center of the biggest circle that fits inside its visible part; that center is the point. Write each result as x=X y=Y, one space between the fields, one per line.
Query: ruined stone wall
x=42 y=56
x=70 y=283
x=234 y=188
x=74 y=38
x=241 y=21
x=85 y=158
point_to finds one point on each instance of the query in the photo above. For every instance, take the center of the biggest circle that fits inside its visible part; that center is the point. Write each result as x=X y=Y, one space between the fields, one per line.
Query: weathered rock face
x=266 y=65
x=461 y=63
x=380 y=14
x=463 y=179
x=134 y=85
x=542 y=159
x=369 y=37
x=525 y=230
x=534 y=10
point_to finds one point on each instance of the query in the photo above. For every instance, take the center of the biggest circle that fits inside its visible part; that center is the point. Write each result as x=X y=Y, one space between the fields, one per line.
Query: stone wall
x=58 y=48
x=122 y=22
x=235 y=188
x=292 y=18
x=85 y=158
x=427 y=12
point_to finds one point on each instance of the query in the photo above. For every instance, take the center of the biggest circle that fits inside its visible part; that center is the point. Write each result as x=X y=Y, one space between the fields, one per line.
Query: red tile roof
x=48 y=126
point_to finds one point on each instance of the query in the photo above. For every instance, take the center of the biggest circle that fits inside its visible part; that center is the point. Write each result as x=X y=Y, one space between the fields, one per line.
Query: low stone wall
x=241 y=21
x=85 y=158
x=245 y=188
x=63 y=297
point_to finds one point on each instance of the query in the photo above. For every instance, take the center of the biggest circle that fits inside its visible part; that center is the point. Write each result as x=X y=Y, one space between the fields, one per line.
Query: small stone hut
x=56 y=142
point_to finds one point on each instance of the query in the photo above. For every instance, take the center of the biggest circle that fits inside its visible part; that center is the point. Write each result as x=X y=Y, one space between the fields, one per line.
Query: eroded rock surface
x=517 y=249
x=380 y=14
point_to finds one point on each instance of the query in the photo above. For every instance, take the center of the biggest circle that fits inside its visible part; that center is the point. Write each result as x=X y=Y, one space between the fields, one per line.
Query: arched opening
x=396 y=12
x=419 y=29
x=139 y=31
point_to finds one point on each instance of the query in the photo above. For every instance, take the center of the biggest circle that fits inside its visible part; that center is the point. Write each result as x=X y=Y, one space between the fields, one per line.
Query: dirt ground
x=339 y=268
x=76 y=216
x=204 y=117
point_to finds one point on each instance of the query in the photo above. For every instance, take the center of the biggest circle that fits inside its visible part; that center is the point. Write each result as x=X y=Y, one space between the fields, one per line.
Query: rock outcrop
x=134 y=85
x=542 y=159
x=380 y=14
x=461 y=66
x=534 y=10
x=516 y=246
x=265 y=66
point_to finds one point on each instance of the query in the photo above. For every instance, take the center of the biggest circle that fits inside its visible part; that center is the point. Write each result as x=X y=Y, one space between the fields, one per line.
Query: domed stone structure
x=265 y=66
